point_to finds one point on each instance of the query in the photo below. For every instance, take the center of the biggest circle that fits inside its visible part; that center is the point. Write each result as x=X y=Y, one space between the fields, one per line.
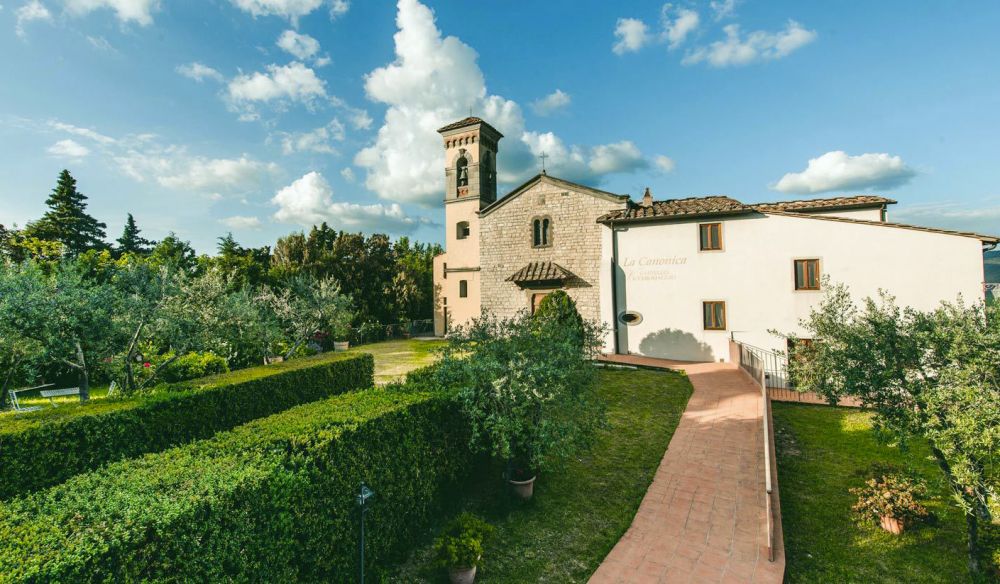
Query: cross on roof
x=543 y=157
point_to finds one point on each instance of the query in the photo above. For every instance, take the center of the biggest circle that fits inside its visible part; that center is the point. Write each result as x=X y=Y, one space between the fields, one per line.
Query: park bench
x=17 y=405
x=51 y=393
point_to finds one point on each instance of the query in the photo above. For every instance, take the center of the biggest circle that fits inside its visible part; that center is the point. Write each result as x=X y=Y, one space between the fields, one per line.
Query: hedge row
x=270 y=501
x=41 y=451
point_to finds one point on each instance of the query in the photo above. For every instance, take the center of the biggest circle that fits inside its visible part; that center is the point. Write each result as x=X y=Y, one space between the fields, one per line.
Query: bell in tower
x=471 y=147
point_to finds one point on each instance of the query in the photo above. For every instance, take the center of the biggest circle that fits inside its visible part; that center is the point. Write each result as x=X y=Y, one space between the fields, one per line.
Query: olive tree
x=933 y=375
x=527 y=387
x=307 y=305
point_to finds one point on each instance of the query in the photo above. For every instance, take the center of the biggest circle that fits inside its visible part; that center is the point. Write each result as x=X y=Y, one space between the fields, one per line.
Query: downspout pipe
x=614 y=285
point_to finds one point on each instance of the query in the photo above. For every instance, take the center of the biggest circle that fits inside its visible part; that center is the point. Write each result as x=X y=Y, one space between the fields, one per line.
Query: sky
x=260 y=117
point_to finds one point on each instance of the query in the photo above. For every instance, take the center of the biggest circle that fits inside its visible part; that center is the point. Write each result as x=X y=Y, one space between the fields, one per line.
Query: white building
x=677 y=278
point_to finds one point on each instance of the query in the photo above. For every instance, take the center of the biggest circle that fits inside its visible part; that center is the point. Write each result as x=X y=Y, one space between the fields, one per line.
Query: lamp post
x=363 y=495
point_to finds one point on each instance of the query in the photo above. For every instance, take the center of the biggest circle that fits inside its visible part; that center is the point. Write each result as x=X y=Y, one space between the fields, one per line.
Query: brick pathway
x=703 y=518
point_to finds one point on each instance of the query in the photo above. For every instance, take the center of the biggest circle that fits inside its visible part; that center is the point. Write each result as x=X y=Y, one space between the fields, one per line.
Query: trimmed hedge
x=270 y=501
x=43 y=450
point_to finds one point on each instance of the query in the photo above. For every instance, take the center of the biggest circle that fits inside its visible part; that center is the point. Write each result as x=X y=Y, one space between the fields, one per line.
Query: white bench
x=17 y=405
x=51 y=393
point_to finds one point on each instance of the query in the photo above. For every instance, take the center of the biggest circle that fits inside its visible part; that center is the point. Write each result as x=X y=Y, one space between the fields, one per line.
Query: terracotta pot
x=462 y=575
x=891 y=524
x=523 y=489
x=341 y=345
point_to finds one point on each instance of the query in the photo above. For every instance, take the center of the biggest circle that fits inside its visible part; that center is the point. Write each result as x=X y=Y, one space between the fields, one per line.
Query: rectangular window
x=807 y=274
x=463 y=288
x=714 y=313
x=711 y=236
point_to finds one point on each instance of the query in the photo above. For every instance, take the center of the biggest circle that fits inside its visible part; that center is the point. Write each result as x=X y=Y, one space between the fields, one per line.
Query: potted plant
x=521 y=479
x=340 y=337
x=460 y=547
x=891 y=501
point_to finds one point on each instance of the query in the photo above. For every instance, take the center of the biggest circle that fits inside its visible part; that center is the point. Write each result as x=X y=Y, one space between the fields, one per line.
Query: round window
x=630 y=317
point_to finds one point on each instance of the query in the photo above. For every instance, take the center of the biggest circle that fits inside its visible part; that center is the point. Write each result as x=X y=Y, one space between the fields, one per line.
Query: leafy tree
x=131 y=241
x=306 y=306
x=23 y=311
x=560 y=308
x=527 y=387
x=67 y=220
x=933 y=375
x=175 y=253
x=243 y=267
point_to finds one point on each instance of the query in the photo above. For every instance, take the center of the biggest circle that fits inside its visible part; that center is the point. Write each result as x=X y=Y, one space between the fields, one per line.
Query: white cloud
x=281 y=85
x=348 y=174
x=309 y=201
x=952 y=215
x=138 y=11
x=551 y=103
x=339 y=8
x=317 y=140
x=632 y=35
x=664 y=163
x=755 y=47
x=677 y=28
x=289 y=9
x=31 y=12
x=240 y=222
x=361 y=120
x=723 y=8
x=301 y=46
x=78 y=131
x=435 y=80
x=101 y=44
x=215 y=174
x=839 y=171
x=68 y=149
x=619 y=157
x=199 y=72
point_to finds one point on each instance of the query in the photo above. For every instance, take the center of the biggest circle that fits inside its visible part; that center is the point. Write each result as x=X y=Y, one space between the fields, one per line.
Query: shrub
x=270 y=501
x=45 y=448
x=461 y=544
x=527 y=387
x=891 y=495
x=195 y=365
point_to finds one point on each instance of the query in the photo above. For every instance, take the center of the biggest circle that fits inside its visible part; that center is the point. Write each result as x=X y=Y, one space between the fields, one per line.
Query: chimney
x=647 y=198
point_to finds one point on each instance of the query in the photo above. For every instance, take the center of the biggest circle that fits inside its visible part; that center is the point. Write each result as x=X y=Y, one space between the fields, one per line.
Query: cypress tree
x=67 y=220
x=131 y=241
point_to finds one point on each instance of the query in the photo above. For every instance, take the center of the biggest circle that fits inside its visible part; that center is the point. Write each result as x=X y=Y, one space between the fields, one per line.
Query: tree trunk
x=971 y=513
x=84 y=376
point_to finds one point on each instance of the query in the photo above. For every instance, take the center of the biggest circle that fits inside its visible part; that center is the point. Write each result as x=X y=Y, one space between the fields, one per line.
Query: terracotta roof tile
x=856 y=201
x=697 y=206
x=467 y=122
x=540 y=272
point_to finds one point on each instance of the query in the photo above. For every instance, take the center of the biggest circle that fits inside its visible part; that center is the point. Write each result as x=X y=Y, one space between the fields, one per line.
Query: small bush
x=47 y=447
x=270 y=501
x=195 y=365
x=461 y=544
x=891 y=495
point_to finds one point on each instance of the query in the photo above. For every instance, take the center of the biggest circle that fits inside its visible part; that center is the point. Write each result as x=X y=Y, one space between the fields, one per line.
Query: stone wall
x=505 y=245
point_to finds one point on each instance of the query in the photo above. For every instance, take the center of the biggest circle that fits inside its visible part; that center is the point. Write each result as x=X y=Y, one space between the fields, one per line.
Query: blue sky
x=263 y=116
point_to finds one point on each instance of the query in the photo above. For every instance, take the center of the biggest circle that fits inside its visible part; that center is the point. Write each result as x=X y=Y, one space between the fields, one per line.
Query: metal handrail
x=753 y=364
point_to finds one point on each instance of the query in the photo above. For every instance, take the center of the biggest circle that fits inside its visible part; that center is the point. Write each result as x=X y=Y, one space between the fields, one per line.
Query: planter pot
x=891 y=524
x=341 y=345
x=462 y=575
x=523 y=489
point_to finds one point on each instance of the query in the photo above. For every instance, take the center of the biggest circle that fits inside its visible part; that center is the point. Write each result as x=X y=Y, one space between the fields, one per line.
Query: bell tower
x=470 y=158
x=470 y=147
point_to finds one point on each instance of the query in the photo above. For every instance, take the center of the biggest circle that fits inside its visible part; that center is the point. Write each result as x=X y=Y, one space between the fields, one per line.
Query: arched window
x=489 y=169
x=462 y=230
x=462 y=171
x=541 y=232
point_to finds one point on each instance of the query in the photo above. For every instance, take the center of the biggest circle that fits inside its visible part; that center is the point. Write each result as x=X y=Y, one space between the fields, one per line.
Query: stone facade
x=505 y=244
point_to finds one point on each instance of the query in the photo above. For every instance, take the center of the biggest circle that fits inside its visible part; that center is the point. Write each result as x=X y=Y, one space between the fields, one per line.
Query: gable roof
x=538 y=178
x=469 y=121
x=724 y=205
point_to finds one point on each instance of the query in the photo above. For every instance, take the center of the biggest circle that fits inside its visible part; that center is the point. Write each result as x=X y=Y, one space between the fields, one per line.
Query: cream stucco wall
x=506 y=242
x=663 y=275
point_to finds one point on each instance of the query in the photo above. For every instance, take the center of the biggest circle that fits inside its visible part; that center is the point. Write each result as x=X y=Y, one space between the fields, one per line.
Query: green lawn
x=578 y=513
x=824 y=451
x=393 y=359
